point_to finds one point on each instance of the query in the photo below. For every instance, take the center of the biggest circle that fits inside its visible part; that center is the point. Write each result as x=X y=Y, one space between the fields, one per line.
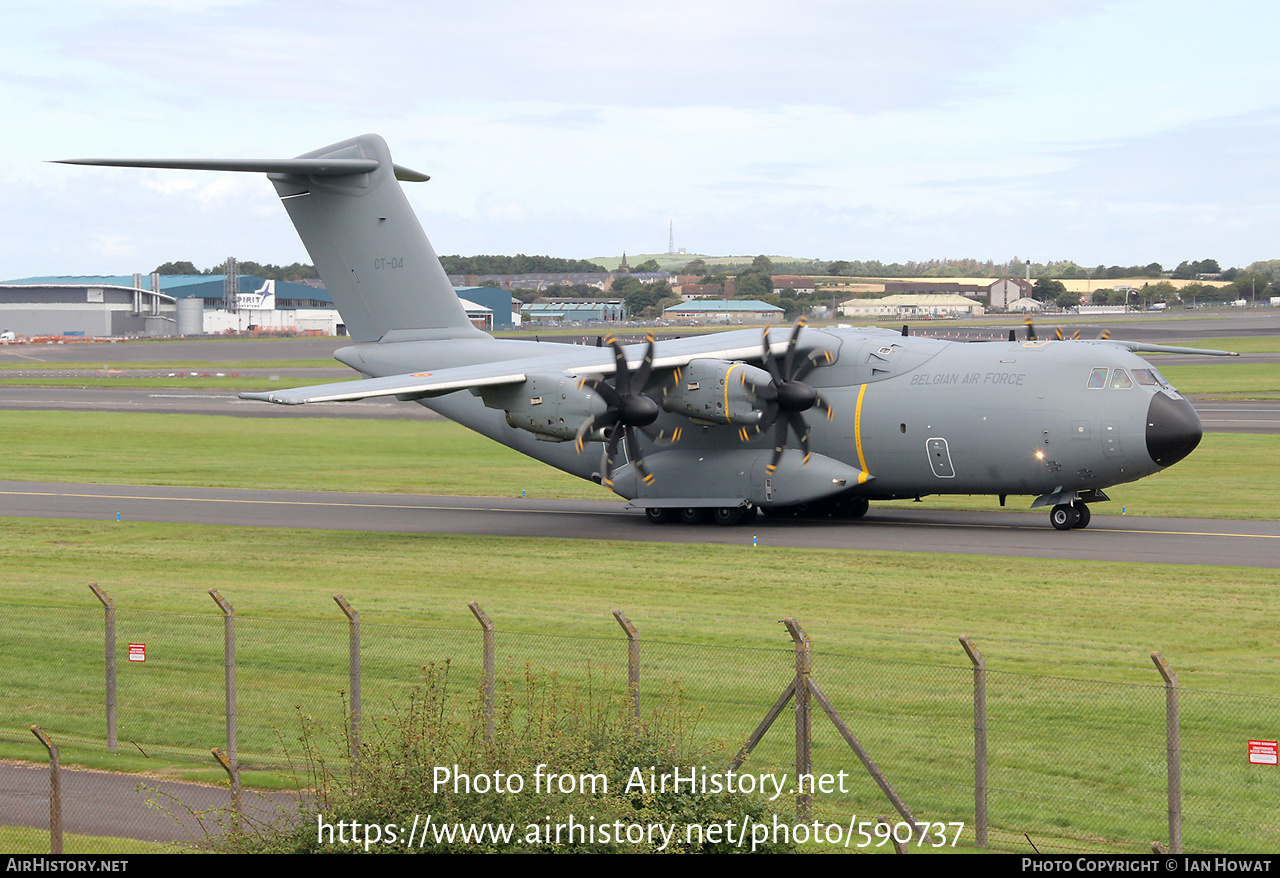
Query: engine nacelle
x=550 y=406
x=716 y=392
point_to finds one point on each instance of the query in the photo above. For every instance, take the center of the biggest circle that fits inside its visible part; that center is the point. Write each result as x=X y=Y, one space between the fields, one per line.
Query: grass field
x=1226 y=380
x=1076 y=708
x=426 y=457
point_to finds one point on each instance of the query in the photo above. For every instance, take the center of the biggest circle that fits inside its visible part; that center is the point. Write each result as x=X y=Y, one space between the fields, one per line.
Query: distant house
x=1006 y=290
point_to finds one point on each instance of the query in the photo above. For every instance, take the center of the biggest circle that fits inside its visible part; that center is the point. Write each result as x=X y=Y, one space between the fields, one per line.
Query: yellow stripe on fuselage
x=857 y=435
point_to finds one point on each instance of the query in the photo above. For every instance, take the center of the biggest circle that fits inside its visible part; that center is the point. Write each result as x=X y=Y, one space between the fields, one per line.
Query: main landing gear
x=723 y=515
x=849 y=507
x=1069 y=516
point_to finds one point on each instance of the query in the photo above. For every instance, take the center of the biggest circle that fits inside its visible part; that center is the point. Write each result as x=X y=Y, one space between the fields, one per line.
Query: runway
x=1010 y=534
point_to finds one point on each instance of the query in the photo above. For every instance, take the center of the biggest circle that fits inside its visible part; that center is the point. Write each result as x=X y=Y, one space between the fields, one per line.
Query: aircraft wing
x=1139 y=347
x=416 y=385
x=590 y=362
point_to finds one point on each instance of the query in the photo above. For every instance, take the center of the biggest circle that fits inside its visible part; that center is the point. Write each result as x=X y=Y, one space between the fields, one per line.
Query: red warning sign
x=1263 y=752
x=137 y=652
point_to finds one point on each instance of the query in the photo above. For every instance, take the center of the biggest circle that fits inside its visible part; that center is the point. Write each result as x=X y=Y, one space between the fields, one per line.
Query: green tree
x=753 y=285
x=762 y=264
x=1067 y=299
x=176 y=268
x=649 y=265
x=1047 y=290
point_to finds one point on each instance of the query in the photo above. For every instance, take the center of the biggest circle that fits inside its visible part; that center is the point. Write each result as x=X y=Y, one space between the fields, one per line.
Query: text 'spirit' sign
x=1263 y=752
x=137 y=652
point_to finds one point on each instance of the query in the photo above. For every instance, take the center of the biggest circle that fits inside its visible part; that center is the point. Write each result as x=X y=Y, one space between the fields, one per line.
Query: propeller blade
x=1031 y=329
x=824 y=406
x=646 y=367
x=611 y=452
x=621 y=374
x=779 y=440
x=769 y=363
x=791 y=348
x=796 y=422
x=813 y=361
x=637 y=459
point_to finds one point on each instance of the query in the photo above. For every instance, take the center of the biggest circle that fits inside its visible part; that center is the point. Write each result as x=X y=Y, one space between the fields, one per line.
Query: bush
x=570 y=755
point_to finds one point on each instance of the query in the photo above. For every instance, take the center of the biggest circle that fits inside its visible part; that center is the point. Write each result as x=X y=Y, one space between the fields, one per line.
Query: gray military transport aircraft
x=807 y=421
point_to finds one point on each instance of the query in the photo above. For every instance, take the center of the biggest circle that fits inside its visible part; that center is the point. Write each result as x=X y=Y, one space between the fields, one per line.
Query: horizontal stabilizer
x=298 y=167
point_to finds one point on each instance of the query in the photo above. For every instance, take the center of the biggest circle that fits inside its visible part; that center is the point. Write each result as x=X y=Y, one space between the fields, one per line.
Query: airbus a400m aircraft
x=806 y=420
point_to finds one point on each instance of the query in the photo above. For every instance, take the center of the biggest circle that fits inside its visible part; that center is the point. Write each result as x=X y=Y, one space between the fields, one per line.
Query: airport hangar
x=119 y=306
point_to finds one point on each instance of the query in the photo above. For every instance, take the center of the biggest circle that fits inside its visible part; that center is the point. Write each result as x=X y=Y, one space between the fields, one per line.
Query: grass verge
x=1219 y=480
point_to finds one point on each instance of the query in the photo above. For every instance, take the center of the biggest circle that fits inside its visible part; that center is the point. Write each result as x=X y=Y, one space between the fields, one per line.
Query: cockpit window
x=1097 y=379
x=1144 y=376
x=1164 y=382
x=1120 y=380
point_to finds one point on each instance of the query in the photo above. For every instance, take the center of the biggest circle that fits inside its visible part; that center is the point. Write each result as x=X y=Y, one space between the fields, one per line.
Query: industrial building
x=198 y=304
x=724 y=311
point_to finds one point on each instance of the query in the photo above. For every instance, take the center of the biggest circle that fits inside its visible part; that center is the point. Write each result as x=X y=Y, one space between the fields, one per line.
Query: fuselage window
x=1144 y=376
x=1120 y=380
x=1097 y=379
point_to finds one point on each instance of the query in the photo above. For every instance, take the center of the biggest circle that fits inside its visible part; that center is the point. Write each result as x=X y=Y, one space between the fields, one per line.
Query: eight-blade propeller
x=628 y=409
x=786 y=396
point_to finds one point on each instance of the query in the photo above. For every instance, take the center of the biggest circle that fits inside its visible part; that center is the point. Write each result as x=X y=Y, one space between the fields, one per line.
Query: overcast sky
x=1103 y=132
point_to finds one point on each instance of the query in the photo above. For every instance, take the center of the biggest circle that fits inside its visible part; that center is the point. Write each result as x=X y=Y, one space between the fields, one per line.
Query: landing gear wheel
x=1083 y=522
x=693 y=515
x=850 y=507
x=1064 y=516
x=658 y=515
x=729 y=515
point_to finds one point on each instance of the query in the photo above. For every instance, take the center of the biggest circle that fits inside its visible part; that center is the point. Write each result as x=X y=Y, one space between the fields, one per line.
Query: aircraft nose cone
x=1173 y=429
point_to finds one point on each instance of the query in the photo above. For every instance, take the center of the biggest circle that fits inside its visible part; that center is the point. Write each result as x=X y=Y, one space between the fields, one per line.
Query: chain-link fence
x=1024 y=761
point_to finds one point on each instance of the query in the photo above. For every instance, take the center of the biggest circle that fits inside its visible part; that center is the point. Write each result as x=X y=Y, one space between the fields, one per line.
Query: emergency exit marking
x=137 y=652
x=1262 y=752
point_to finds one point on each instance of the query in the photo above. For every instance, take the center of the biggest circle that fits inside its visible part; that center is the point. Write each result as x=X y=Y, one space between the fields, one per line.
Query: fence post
x=804 y=729
x=233 y=772
x=1173 y=750
x=979 y=740
x=55 y=792
x=487 y=625
x=633 y=664
x=353 y=664
x=229 y=667
x=109 y=610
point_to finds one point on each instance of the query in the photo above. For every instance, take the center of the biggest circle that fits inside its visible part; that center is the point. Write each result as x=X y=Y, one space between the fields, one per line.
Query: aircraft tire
x=1085 y=515
x=729 y=516
x=1064 y=516
x=694 y=515
x=659 y=515
x=778 y=511
x=850 y=507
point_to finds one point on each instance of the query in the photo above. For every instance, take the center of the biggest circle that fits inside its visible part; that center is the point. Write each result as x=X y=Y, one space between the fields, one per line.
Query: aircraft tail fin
x=363 y=237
